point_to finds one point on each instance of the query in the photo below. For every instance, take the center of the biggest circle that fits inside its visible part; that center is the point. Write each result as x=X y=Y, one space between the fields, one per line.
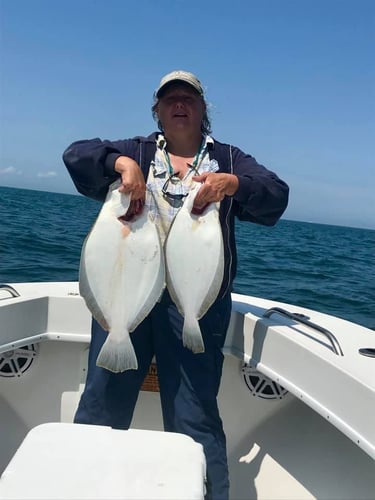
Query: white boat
x=297 y=400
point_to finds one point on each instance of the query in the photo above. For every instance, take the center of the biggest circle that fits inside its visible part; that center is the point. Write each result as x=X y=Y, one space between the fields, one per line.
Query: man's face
x=181 y=108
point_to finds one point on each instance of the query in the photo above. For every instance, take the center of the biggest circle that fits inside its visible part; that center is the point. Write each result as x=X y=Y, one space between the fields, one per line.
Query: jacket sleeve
x=262 y=196
x=90 y=164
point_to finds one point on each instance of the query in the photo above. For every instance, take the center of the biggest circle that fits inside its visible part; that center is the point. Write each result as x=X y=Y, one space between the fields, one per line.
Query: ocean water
x=327 y=268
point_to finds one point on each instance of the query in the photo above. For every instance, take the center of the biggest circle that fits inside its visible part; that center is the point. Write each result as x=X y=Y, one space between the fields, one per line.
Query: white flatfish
x=195 y=265
x=122 y=275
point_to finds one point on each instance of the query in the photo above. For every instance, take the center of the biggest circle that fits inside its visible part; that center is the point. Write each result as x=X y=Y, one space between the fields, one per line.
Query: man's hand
x=214 y=187
x=132 y=178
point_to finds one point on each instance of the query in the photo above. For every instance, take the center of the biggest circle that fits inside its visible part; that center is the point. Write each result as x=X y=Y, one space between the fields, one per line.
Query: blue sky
x=291 y=82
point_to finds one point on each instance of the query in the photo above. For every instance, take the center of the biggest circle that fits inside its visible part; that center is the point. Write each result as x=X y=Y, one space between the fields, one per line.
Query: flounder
x=122 y=275
x=195 y=265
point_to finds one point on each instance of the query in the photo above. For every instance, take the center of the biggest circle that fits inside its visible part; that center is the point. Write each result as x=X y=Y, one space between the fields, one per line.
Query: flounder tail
x=192 y=335
x=117 y=354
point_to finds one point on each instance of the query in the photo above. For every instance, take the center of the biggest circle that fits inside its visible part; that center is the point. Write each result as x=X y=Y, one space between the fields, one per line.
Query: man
x=165 y=164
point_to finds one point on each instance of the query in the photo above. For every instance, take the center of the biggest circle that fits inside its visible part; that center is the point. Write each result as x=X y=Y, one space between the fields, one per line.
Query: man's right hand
x=132 y=180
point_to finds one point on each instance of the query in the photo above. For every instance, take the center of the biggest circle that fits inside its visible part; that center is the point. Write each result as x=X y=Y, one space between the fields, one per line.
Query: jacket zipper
x=228 y=230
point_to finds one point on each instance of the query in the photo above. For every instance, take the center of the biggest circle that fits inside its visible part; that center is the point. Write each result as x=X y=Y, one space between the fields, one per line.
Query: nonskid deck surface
x=277 y=448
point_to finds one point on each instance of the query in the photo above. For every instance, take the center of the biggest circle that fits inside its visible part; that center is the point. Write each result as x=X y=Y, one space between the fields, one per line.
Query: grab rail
x=300 y=318
x=10 y=289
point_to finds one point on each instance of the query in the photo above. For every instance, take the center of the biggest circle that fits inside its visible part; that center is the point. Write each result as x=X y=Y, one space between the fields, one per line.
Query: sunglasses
x=172 y=179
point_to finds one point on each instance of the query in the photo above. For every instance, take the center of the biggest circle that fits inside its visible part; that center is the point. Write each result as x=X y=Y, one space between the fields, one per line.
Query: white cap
x=182 y=76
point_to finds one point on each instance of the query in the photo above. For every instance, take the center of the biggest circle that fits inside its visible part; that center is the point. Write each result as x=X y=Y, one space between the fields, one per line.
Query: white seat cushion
x=75 y=461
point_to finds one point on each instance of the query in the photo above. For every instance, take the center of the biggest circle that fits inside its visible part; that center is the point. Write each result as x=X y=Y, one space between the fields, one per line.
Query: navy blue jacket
x=261 y=196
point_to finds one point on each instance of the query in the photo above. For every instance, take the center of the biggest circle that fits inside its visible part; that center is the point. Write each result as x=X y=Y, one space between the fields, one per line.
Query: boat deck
x=282 y=444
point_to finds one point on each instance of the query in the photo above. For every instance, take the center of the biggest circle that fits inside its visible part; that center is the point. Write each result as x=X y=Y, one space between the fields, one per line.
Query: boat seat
x=76 y=461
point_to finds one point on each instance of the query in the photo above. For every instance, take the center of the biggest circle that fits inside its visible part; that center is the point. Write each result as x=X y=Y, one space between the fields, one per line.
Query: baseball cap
x=182 y=76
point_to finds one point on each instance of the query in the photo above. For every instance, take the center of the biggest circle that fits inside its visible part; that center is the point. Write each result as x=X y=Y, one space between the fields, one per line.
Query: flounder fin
x=157 y=282
x=173 y=293
x=192 y=335
x=214 y=289
x=88 y=296
x=189 y=200
x=169 y=282
x=117 y=354
x=119 y=203
x=143 y=313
